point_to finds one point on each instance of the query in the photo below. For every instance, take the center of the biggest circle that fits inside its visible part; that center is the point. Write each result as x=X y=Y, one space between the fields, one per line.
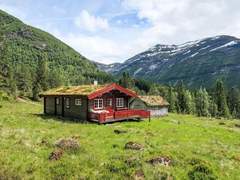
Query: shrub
x=161 y=175
x=201 y=171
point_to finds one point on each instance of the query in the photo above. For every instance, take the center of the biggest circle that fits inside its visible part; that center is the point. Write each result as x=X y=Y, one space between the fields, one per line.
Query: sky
x=110 y=31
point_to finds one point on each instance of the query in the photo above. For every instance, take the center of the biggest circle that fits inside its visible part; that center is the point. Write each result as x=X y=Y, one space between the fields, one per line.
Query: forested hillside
x=217 y=101
x=32 y=60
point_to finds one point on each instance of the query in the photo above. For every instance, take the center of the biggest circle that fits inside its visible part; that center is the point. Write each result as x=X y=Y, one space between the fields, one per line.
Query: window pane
x=98 y=103
x=109 y=102
x=78 y=102
x=57 y=101
x=120 y=102
x=67 y=102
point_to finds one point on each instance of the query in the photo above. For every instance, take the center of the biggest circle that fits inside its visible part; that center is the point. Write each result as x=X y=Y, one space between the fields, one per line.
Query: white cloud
x=90 y=22
x=174 y=21
x=187 y=15
x=101 y=39
x=96 y=48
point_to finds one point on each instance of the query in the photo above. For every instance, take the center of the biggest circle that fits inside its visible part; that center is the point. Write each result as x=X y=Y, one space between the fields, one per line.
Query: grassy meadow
x=198 y=148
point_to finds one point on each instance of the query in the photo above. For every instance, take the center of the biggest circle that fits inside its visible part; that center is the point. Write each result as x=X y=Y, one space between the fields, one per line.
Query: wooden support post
x=44 y=104
x=55 y=106
x=63 y=103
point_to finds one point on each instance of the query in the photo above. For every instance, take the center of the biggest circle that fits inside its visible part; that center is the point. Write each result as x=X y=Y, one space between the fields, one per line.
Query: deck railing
x=116 y=115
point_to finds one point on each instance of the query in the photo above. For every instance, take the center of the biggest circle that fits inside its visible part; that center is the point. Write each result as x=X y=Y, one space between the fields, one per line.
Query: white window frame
x=98 y=103
x=78 y=102
x=57 y=101
x=119 y=102
x=109 y=102
x=67 y=103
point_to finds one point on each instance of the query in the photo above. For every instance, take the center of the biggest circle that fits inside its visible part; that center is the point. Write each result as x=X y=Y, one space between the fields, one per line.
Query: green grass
x=187 y=140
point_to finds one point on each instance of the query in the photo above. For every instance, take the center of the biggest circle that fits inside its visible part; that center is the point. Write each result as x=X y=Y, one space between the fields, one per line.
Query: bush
x=8 y=173
x=3 y=97
x=161 y=175
x=118 y=166
x=201 y=171
x=63 y=170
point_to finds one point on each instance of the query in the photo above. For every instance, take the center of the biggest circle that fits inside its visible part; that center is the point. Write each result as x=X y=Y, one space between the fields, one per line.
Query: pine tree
x=233 y=100
x=36 y=90
x=213 y=109
x=56 y=79
x=12 y=83
x=183 y=104
x=238 y=111
x=40 y=82
x=42 y=73
x=153 y=90
x=189 y=107
x=220 y=99
x=202 y=103
x=24 y=80
x=126 y=81
x=172 y=100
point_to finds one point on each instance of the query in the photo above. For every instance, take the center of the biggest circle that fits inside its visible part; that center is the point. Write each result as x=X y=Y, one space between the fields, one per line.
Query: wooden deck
x=118 y=116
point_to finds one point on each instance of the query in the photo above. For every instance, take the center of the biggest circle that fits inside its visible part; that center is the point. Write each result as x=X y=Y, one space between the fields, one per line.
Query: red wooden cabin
x=99 y=103
x=112 y=104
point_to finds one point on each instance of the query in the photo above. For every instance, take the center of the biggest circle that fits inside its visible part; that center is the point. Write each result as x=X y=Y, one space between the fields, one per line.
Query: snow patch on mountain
x=193 y=55
x=216 y=37
x=137 y=71
x=152 y=67
x=208 y=46
x=187 y=52
x=232 y=43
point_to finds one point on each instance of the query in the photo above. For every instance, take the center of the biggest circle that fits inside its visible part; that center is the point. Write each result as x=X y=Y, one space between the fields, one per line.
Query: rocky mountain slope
x=23 y=46
x=197 y=63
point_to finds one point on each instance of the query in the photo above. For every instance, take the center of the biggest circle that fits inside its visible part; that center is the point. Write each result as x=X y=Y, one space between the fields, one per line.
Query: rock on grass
x=237 y=125
x=56 y=154
x=117 y=131
x=134 y=146
x=139 y=175
x=166 y=161
x=67 y=144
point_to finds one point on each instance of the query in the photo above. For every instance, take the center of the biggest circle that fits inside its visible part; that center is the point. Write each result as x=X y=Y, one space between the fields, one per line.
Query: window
x=78 y=102
x=57 y=101
x=67 y=103
x=109 y=102
x=98 y=103
x=119 y=102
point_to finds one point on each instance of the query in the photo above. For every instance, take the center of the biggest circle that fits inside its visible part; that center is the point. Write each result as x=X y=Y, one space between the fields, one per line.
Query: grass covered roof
x=74 y=90
x=154 y=100
x=92 y=91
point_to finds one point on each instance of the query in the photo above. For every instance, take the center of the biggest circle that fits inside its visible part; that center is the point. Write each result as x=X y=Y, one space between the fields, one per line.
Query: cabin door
x=58 y=107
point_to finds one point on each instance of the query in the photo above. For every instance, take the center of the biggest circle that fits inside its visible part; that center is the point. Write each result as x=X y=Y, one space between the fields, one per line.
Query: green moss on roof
x=154 y=100
x=74 y=90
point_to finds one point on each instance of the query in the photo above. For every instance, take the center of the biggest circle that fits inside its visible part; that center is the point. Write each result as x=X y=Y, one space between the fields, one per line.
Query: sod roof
x=74 y=90
x=92 y=91
x=154 y=100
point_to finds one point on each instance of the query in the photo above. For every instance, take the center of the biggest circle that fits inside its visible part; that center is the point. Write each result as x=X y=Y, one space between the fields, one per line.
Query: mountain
x=109 y=68
x=23 y=47
x=197 y=63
